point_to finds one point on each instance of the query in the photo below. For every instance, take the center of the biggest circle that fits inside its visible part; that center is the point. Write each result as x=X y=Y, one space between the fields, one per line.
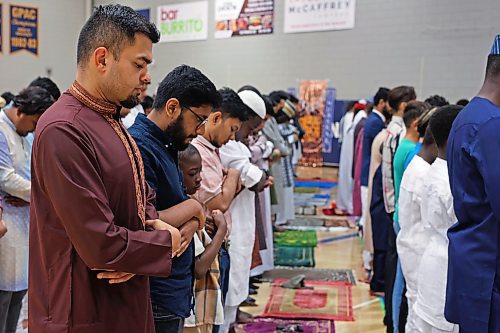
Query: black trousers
x=11 y=303
x=377 y=284
x=391 y=262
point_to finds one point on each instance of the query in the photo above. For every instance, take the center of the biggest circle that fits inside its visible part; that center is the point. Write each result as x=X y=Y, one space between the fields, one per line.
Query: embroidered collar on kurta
x=108 y=111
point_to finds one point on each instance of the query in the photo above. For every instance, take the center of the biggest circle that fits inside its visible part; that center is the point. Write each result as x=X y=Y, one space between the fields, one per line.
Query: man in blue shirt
x=184 y=100
x=473 y=289
x=373 y=125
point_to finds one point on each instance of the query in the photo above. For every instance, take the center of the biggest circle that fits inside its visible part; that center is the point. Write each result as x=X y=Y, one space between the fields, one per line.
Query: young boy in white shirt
x=411 y=240
x=437 y=216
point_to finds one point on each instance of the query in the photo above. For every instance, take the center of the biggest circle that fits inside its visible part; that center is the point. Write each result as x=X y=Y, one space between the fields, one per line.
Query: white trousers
x=421 y=326
x=230 y=313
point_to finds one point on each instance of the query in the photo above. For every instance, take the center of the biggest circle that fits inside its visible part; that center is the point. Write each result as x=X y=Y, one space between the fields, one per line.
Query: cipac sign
x=183 y=21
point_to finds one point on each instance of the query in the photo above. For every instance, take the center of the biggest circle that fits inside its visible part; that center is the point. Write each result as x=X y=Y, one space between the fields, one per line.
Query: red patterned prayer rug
x=326 y=300
x=271 y=325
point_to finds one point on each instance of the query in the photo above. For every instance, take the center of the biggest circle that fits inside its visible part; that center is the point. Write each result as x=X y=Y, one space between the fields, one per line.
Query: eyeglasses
x=202 y=121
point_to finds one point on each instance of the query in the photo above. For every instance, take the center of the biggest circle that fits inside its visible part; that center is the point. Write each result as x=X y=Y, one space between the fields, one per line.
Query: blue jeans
x=224 y=267
x=166 y=322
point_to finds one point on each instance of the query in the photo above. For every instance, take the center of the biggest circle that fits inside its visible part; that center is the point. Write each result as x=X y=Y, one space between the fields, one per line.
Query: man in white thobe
x=17 y=120
x=236 y=154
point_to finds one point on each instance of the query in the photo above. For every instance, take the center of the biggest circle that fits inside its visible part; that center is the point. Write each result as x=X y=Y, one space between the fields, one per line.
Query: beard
x=178 y=135
x=130 y=102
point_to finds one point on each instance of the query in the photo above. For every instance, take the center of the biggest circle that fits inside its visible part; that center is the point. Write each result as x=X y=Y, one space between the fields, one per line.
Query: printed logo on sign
x=183 y=22
x=172 y=25
x=226 y=6
x=301 y=7
x=318 y=15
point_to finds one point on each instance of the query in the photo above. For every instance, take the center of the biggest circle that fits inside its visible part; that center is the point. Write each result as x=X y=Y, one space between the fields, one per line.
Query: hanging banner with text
x=23 y=29
x=312 y=96
x=328 y=116
x=243 y=17
x=183 y=21
x=318 y=15
x=1 y=31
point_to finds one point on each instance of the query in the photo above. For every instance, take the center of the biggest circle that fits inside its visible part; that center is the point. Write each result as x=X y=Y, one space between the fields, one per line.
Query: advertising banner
x=318 y=15
x=243 y=17
x=183 y=21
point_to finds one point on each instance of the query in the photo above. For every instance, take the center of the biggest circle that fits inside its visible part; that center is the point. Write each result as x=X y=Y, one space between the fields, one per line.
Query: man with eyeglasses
x=184 y=100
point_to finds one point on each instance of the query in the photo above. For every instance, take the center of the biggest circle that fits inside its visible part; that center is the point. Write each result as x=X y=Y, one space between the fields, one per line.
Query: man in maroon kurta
x=90 y=203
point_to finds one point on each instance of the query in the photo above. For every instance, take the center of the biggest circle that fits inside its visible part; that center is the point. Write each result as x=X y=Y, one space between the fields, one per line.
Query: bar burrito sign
x=183 y=21
x=318 y=15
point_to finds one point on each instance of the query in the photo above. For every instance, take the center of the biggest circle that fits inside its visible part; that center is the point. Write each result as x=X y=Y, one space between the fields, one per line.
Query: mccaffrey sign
x=318 y=15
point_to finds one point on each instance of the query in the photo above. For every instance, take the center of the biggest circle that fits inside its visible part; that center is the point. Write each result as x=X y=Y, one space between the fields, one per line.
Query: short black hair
x=293 y=98
x=428 y=138
x=232 y=105
x=493 y=66
x=463 y=102
x=188 y=153
x=111 y=26
x=441 y=122
x=423 y=121
x=350 y=105
x=438 y=101
x=190 y=86
x=8 y=96
x=400 y=95
x=277 y=95
x=413 y=111
x=269 y=105
x=382 y=94
x=147 y=103
x=33 y=101
x=251 y=88
x=47 y=84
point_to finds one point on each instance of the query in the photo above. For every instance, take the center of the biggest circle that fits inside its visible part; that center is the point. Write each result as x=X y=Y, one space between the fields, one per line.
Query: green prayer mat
x=294 y=256
x=316 y=274
x=296 y=238
x=306 y=189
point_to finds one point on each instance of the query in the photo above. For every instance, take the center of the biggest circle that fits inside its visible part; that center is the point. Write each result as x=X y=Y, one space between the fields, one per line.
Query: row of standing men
x=420 y=191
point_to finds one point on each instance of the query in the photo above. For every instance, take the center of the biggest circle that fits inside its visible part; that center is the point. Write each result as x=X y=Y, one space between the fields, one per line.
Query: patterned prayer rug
x=272 y=325
x=311 y=199
x=323 y=220
x=326 y=300
x=294 y=256
x=296 y=238
x=317 y=274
